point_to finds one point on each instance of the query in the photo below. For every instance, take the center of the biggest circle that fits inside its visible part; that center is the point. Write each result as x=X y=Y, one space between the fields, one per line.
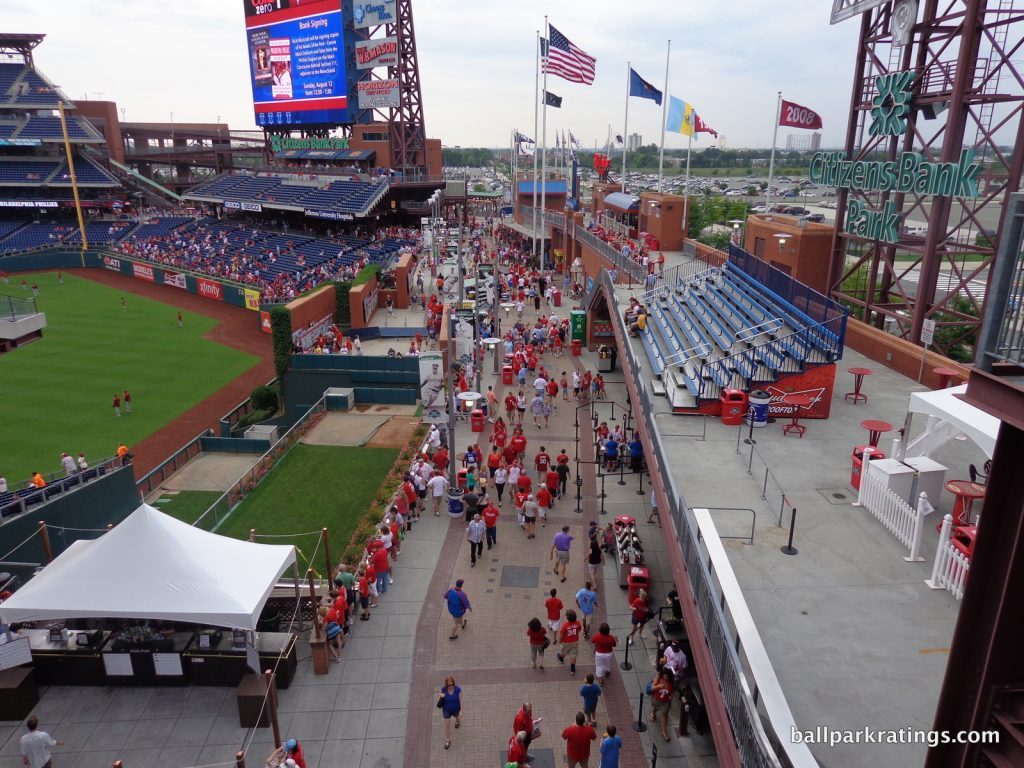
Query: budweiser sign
x=209 y=289
x=175 y=280
x=381 y=52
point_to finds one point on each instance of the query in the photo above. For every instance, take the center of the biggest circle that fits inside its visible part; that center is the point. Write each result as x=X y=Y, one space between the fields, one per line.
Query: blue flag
x=642 y=89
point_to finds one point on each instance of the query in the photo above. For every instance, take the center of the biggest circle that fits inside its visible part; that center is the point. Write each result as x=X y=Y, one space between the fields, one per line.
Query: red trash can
x=460 y=478
x=577 y=347
x=556 y=296
x=858 y=461
x=639 y=578
x=507 y=375
x=476 y=420
x=734 y=406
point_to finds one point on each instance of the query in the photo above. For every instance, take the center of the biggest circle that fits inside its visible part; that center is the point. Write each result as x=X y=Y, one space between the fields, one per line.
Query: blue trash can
x=456 y=507
x=757 y=408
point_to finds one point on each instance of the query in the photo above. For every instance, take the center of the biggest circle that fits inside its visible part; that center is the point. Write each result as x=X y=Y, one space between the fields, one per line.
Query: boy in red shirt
x=570 y=636
x=543 y=499
x=554 y=608
x=541 y=462
x=363 y=588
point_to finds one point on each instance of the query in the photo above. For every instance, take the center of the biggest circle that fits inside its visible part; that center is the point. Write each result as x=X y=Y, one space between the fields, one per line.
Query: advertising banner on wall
x=296 y=61
x=432 y=393
x=114 y=265
x=378 y=94
x=333 y=215
x=306 y=337
x=373 y=14
x=378 y=52
x=464 y=334
x=143 y=272
x=175 y=280
x=252 y=299
x=265 y=322
x=208 y=289
x=370 y=304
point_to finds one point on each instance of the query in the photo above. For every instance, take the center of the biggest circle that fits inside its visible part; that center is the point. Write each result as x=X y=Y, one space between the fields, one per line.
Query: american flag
x=565 y=60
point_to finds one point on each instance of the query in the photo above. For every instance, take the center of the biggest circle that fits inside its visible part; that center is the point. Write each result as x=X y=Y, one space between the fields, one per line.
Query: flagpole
x=686 y=184
x=536 y=107
x=771 y=162
x=625 y=129
x=544 y=147
x=664 y=114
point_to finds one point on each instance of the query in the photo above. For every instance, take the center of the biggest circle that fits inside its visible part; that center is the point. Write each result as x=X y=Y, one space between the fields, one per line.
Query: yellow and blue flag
x=680 y=116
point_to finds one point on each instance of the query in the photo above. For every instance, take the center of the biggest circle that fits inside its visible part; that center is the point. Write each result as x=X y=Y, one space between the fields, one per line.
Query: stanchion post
x=268 y=675
x=641 y=491
x=44 y=535
x=625 y=665
x=789 y=549
x=603 y=495
x=239 y=759
x=640 y=726
x=327 y=553
x=622 y=471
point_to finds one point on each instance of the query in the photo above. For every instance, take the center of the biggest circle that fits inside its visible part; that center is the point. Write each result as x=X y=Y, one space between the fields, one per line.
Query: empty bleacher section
x=46 y=129
x=354 y=197
x=741 y=326
x=27 y=236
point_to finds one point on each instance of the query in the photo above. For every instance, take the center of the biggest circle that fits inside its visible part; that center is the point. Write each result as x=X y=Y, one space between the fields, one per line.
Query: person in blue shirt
x=586 y=599
x=458 y=605
x=611 y=453
x=611 y=744
x=636 y=454
x=451 y=706
x=590 y=693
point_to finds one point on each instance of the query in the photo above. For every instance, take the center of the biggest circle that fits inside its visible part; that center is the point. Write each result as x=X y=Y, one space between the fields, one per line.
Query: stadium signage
x=285 y=143
x=21 y=143
x=112 y=264
x=175 y=280
x=332 y=215
x=373 y=14
x=209 y=289
x=235 y=205
x=143 y=272
x=378 y=94
x=29 y=204
x=381 y=52
x=909 y=173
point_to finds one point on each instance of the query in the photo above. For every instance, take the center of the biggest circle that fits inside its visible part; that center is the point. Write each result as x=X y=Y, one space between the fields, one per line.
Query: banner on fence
x=209 y=289
x=112 y=264
x=252 y=299
x=432 y=387
x=306 y=337
x=175 y=280
x=265 y=322
x=143 y=272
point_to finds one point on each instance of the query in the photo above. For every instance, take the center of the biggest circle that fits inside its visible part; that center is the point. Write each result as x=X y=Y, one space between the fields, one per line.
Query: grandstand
x=724 y=328
x=292 y=192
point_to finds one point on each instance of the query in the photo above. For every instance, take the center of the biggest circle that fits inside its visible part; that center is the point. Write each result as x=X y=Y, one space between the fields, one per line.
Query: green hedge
x=281 y=330
x=255 y=417
x=366 y=274
x=342 y=307
x=264 y=398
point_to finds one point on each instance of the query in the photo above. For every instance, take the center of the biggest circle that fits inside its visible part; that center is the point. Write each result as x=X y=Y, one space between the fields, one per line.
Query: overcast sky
x=729 y=58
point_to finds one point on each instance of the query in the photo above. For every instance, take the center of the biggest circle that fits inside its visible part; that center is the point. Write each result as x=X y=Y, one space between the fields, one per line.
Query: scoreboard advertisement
x=296 y=61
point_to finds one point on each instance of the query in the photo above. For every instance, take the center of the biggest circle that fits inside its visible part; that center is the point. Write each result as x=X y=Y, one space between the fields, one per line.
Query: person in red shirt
x=577 y=742
x=552 y=391
x=543 y=499
x=518 y=444
x=493 y=460
x=551 y=483
x=524 y=483
x=554 y=608
x=538 y=637
x=117 y=405
x=523 y=723
x=517 y=750
x=411 y=499
x=541 y=462
x=570 y=636
x=490 y=516
x=363 y=588
x=604 y=653
x=440 y=458
x=510 y=408
x=396 y=540
x=509 y=454
x=603 y=431
x=371 y=575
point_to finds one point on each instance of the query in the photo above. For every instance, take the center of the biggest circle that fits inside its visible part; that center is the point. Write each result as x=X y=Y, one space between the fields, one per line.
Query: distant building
x=721 y=141
x=803 y=142
x=633 y=142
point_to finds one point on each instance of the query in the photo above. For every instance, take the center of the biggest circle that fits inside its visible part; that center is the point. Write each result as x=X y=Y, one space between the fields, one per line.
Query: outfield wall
x=375 y=379
x=90 y=508
x=68 y=258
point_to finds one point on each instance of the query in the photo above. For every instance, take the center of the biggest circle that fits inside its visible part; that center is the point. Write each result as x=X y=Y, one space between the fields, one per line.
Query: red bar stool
x=858 y=381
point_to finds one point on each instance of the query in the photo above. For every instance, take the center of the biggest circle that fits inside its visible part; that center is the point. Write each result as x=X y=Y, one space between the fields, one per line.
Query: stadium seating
x=98 y=232
x=35 y=235
x=33 y=90
x=49 y=128
x=86 y=172
x=157 y=228
x=30 y=172
x=342 y=196
x=9 y=73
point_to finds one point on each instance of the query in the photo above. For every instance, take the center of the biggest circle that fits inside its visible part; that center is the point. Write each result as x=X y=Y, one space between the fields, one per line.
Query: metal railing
x=16 y=307
x=1002 y=335
x=614 y=257
x=752 y=695
x=212 y=518
x=26 y=495
x=156 y=477
x=772 y=492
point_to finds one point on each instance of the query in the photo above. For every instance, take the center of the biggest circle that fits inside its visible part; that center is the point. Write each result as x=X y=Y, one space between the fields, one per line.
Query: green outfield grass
x=314 y=486
x=187 y=506
x=57 y=392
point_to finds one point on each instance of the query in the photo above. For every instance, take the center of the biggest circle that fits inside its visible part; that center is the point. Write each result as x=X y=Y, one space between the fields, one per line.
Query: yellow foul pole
x=74 y=182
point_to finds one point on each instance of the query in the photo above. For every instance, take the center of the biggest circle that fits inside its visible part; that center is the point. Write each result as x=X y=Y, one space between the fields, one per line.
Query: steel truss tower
x=408 y=134
x=967 y=92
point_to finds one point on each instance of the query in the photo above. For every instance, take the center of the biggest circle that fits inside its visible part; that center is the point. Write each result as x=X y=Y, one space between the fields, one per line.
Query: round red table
x=795 y=402
x=966 y=493
x=858 y=380
x=945 y=374
x=875 y=429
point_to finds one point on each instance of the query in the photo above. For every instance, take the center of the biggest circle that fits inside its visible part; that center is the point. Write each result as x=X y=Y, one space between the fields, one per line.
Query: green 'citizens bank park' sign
x=908 y=173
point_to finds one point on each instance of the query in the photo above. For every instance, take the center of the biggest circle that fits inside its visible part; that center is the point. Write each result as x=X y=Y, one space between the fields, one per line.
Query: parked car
x=759 y=209
x=815 y=217
x=795 y=210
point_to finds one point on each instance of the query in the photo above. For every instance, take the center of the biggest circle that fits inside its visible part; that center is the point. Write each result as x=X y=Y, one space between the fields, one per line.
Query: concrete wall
x=360 y=318
x=313 y=307
x=898 y=354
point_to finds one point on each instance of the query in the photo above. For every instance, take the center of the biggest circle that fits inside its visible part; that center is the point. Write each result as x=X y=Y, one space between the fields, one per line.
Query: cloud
x=729 y=59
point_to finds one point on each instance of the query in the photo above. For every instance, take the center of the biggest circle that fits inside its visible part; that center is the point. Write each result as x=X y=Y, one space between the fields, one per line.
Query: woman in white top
x=500 y=478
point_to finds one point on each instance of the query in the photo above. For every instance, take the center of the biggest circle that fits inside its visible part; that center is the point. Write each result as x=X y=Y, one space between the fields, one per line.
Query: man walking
x=475 y=536
x=437 y=485
x=67 y=463
x=586 y=601
x=127 y=402
x=560 y=551
x=490 y=517
x=117 y=405
x=36 y=744
x=577 y=742
x=458 y=605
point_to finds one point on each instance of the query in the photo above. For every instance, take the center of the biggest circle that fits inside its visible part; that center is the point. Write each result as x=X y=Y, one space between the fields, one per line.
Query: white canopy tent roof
x=949 y=416
x=152 y=566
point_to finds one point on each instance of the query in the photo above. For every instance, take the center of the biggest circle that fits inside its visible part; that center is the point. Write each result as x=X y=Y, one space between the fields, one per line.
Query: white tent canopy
x=152 y=566
x=949 y=416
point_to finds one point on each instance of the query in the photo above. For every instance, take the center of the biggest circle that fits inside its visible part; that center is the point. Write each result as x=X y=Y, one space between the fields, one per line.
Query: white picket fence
x=900 y=518
x=951 y=566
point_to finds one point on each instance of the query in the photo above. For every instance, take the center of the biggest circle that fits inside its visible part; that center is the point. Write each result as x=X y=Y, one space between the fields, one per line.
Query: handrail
x=139 y=177
x=768 y=326
x=726 y=638
x=753 y=521
x=13 y=304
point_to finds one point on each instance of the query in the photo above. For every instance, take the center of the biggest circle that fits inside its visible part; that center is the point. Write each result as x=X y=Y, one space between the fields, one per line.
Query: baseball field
x=56 y=394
